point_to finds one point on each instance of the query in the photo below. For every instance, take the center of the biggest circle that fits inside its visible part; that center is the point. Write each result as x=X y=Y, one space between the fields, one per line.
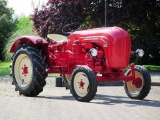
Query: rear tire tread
x=39 y=70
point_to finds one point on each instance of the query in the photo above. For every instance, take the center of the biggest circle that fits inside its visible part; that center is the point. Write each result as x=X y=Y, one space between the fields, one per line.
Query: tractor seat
x=60 y=39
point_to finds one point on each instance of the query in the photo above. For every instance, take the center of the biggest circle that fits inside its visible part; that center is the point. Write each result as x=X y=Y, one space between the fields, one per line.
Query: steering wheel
x=70 y=28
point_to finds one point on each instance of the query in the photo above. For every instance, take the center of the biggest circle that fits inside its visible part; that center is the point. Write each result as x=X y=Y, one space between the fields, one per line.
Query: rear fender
x=33 y=40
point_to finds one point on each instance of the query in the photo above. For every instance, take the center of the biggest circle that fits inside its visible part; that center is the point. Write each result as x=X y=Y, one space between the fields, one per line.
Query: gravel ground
x=110 y=103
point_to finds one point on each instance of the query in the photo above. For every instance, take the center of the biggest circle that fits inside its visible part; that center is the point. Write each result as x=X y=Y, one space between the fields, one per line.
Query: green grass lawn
x=5 y=69
x=152 y=68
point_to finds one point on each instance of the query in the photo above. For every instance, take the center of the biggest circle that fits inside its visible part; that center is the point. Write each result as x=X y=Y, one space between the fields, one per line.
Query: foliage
x=57 y=13
x=7 y=24
x=24 y=27
x=4 y=68
x=140 y=18
x=152 y=68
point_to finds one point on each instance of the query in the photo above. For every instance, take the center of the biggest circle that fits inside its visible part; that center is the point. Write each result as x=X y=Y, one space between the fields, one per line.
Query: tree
x=142 y=20
x=23 y=27
x=7 y=24
x=57 y=13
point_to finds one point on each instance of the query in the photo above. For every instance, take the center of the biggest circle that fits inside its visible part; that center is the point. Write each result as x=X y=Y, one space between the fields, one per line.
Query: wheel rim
x=81 y=84
x=23 y=70
x=134 y=87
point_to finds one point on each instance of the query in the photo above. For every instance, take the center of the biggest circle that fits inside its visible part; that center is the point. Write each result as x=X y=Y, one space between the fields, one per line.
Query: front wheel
x=83 y=84
x=29 y=70
x=140 y=87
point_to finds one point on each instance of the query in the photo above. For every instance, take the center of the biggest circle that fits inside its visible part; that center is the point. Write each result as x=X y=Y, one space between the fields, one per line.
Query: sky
x=24 y=7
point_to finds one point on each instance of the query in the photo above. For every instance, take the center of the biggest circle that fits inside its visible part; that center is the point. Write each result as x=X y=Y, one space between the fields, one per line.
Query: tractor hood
x=109 y=32
x=114 y=40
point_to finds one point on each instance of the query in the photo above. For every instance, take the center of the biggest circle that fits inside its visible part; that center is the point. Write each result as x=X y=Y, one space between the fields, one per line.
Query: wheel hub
x=137 y=82
x=25 y=70
x=81 y=84
x=135 y=86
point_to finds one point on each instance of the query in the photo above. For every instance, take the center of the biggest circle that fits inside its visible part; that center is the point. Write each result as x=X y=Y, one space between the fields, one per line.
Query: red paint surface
x=25 y=70
x=81 y=84
x=112 y=43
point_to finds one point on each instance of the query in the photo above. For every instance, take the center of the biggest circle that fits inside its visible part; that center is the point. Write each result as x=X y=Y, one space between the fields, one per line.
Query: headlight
x=93 y=52
x=140 y=52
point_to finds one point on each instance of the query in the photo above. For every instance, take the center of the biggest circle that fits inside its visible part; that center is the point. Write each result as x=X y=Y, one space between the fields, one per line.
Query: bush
x=7 y=24
x=24 y=27
x=55 y=15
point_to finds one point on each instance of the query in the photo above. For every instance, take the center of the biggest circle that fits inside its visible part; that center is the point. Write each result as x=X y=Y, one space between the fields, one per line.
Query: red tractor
x=83 y=57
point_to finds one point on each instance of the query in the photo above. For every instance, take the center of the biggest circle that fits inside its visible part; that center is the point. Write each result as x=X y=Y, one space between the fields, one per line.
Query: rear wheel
x=29 y=70
x=140 y=87
x=83 y=84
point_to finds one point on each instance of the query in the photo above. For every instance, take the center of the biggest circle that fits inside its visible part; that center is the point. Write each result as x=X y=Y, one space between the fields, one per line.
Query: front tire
x=29 y=70
x=83 y=84
x=140 y=87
